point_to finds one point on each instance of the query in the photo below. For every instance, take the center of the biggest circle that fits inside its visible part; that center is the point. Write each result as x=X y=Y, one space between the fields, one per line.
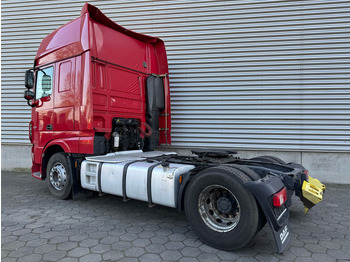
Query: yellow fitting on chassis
x=312 y=191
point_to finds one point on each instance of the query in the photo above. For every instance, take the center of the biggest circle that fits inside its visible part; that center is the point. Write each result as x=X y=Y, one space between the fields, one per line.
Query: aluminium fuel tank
x=133 y=175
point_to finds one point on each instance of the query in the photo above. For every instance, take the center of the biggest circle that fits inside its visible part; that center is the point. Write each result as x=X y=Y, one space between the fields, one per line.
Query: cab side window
x=44 y=82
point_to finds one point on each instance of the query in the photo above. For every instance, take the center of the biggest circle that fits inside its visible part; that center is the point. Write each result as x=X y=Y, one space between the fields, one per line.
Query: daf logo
x=284 y=234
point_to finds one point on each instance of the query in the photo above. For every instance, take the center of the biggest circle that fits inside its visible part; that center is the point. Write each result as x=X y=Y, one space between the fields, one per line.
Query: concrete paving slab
x=37 y=227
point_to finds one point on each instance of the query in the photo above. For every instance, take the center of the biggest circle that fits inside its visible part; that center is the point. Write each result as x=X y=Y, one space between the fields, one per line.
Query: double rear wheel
x=220 y=210
x=269 y=159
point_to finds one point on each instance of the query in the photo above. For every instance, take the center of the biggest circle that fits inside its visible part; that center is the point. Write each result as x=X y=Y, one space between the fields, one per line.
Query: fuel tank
x=135 y=175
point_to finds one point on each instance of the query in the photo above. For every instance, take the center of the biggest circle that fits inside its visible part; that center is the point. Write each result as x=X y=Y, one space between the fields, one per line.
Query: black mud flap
x=77 y=191
x=263 y=190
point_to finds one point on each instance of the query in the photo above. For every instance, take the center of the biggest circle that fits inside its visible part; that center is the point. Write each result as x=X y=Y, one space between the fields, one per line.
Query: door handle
x=49 y=127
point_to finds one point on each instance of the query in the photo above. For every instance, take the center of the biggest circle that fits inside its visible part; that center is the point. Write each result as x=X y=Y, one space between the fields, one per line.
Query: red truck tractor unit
x=100 y=107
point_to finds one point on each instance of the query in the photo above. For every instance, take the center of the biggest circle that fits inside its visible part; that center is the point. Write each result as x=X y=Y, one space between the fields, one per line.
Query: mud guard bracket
x=263 y=189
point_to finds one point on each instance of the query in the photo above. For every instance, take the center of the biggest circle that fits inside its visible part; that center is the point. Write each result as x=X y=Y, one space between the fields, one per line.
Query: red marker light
x=279 y=198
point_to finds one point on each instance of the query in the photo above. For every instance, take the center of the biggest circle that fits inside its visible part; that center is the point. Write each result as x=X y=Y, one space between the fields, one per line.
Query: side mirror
x=29 y=79
x=155 y=103
x=46 y=83
x=28 y=95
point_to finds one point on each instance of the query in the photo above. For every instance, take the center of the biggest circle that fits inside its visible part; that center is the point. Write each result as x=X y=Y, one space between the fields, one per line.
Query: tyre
x=253 y=177
x=247 y=171
x=270 y=159
x=220 y=210
x=59 y=179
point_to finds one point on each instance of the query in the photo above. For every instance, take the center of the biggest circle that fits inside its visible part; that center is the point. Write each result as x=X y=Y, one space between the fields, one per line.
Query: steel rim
x=58 y=176
x=219 y=208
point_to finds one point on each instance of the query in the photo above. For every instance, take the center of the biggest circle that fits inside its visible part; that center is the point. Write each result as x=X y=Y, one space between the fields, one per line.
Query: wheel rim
x=219 y=208
x=58 y=176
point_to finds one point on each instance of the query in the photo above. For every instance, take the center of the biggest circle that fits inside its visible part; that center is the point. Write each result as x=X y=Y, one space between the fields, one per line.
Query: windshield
x=44 y=82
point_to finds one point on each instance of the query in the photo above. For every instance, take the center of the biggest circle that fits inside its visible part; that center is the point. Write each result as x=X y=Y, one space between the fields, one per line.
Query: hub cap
x=58 y=176
x=219 y=208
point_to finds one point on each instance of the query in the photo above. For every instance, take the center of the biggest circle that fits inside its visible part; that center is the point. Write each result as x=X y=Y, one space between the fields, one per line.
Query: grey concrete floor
x=37 y=227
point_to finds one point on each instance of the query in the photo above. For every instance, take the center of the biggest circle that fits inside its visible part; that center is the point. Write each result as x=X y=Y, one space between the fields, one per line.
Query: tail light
x=31 y=131
x=306 y=172
x=279 y=198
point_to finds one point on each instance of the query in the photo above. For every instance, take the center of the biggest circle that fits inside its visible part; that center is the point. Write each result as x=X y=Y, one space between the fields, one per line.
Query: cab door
x=63 y=116
x=43 y=113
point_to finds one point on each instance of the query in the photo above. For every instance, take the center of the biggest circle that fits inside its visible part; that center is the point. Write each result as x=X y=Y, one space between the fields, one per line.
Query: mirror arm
x=29 y=104
x=42 y=71
x=35 y=103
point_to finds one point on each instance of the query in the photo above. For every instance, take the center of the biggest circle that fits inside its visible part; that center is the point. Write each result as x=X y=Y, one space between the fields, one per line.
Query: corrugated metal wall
x=244 y=74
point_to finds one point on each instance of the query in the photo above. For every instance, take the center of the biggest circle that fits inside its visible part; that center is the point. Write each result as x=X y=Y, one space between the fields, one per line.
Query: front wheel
x=221 y=211
x=59 y=179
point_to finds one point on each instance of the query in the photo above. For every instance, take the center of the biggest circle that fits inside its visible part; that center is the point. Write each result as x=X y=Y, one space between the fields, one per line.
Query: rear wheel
x=59 y=179
x=270 y=159
x=253 y=176
x=221 y=211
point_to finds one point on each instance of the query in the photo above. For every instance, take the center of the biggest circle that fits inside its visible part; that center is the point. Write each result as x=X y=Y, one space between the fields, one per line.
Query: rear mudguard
x=263 y=189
